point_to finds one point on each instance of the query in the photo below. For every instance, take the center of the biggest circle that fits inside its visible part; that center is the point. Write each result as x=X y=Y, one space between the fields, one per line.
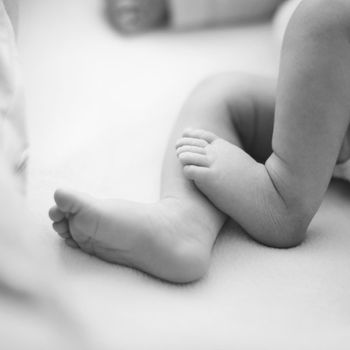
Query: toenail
x=71 y=243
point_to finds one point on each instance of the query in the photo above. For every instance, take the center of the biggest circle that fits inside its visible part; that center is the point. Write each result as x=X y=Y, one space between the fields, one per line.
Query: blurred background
x=85 y=80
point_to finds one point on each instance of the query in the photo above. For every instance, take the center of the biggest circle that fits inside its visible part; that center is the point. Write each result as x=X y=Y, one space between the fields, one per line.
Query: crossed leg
x=173 y=238
x=272 y=188
x=275 y=201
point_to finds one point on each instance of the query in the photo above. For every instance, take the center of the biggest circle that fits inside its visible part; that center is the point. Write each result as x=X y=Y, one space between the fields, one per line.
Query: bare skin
x=310 y=135
x=259 y=157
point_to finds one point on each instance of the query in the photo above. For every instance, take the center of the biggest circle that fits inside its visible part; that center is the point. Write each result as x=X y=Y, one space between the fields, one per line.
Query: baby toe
x=56 y=214
x=71 y=243
x=200 y=134
x=192 y=149
x=188 y=141
x=62 y=228
x=188 y=158
x=71 y=202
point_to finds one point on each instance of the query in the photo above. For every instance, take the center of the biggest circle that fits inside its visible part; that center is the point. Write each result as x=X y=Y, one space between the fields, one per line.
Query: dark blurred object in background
x=136 y=16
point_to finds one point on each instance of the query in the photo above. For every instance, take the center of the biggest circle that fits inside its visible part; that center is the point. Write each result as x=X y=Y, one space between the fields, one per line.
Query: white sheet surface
x=100 y=109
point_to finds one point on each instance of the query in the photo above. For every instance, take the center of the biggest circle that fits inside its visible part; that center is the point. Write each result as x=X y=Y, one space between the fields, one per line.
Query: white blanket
x=100 y=110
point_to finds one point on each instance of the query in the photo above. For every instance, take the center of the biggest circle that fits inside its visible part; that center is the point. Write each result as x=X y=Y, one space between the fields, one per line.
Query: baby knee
x=292 y=235
x=289 y=230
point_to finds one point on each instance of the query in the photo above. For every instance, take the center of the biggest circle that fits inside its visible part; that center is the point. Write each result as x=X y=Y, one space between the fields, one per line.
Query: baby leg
x=232 y=178
x=171 y=239
x=311 y=121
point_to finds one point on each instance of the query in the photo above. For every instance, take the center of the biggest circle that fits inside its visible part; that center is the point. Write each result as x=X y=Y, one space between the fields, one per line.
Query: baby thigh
x=313 y=104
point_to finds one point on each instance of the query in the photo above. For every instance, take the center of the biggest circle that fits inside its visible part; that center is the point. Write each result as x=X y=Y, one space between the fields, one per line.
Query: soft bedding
x=92 y=96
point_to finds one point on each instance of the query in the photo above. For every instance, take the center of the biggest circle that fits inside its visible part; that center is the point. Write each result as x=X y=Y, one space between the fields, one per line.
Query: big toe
x=70 y=201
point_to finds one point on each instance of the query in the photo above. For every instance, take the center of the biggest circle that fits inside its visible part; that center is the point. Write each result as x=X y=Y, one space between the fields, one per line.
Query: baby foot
x=164 y=239
x=221 y=171
x=212 y=163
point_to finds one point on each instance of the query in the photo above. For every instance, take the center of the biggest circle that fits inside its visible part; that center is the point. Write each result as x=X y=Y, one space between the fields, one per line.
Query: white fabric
x=100 y=110
x=13 y=141
x=8 y=76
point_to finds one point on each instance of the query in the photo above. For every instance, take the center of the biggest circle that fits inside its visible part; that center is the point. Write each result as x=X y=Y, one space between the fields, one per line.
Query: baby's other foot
x=221 y=171
x=164 y=239
x=212 y=163
x=240 y=187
